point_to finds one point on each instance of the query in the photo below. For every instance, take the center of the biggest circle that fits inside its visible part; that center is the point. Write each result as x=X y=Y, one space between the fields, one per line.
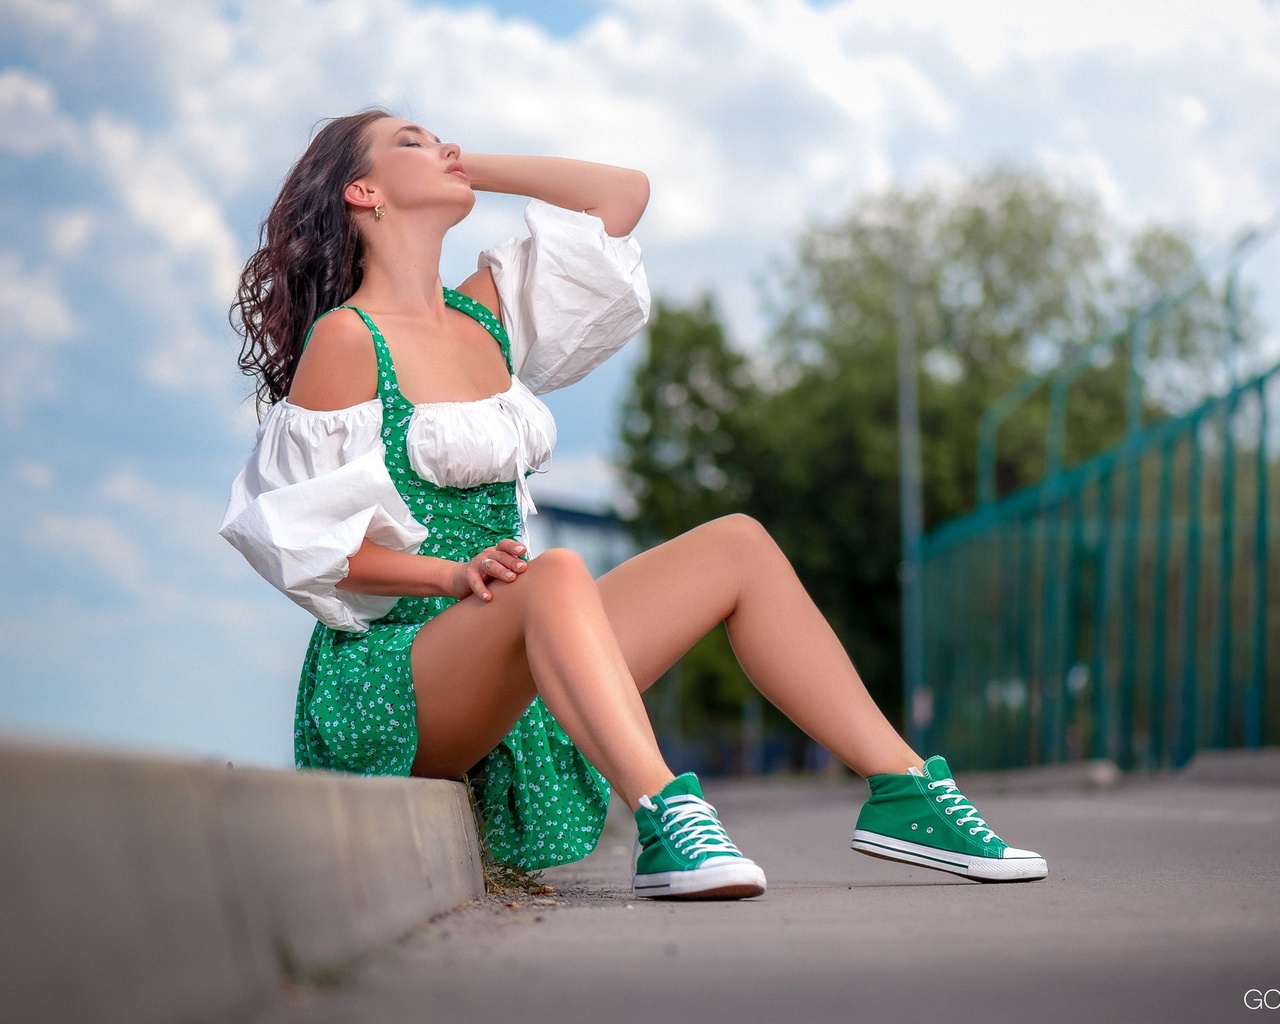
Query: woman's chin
x=465 y=204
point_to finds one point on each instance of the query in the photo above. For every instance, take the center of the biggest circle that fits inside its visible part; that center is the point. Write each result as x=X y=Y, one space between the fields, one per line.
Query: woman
x=387 y=492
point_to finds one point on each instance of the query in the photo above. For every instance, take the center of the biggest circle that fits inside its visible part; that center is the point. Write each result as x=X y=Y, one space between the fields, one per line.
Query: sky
x=141 y=142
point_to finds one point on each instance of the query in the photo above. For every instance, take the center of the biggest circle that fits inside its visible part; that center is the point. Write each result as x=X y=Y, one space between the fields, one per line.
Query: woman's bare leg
x=475 y=666
x=593 y=645
x=661 y=601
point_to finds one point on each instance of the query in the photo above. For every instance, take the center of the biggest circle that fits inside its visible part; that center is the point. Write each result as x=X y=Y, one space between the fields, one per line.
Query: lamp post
x=916 y=705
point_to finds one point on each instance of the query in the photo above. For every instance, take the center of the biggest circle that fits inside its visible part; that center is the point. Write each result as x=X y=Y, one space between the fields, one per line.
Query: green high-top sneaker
x=684 y=851
x=920 y=817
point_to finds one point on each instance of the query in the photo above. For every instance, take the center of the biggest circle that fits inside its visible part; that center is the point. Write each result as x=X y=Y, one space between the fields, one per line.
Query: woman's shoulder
x=339 y=366
x=482 y=288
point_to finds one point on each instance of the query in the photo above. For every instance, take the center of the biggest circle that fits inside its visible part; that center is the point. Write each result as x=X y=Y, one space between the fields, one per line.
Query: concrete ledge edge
x=138 y=889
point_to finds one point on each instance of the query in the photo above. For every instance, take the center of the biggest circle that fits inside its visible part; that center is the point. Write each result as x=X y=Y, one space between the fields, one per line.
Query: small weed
x=507 y=880
x=501 y=879
x=340 y=972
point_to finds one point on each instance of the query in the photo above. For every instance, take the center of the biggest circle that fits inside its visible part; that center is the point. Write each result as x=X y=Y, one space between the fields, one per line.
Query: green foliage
x=682 y=420
x=1005 y=275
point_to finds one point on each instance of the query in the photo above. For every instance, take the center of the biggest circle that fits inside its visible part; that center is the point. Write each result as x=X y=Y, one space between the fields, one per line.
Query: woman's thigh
x=471 y=674
x=471 y=680
x=664 y=600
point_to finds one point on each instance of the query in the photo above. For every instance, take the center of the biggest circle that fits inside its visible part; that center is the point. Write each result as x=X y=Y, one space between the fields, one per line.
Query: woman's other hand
x=502 y=562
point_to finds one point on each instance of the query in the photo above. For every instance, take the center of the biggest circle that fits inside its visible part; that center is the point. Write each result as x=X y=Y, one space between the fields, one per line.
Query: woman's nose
x=451 y=150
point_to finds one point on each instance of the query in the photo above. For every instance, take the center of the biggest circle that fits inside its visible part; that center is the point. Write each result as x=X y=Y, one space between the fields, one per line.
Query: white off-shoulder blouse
x=317 y=485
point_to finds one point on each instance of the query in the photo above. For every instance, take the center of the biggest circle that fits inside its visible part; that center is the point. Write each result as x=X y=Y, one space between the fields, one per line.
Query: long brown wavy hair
x=308 y=258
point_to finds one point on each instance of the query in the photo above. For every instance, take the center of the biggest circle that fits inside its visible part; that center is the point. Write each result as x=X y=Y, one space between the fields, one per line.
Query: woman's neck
x=402 y=268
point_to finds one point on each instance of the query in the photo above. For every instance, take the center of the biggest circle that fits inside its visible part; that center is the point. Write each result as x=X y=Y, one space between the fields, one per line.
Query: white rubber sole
x=1014 y=866
x=734 y=878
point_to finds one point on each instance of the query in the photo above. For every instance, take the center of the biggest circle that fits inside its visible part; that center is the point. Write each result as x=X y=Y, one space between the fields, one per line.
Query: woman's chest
x=466 y=444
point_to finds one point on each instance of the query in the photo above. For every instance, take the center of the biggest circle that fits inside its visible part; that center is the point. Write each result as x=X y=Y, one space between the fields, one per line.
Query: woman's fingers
x=500 y=563
x=511 y=554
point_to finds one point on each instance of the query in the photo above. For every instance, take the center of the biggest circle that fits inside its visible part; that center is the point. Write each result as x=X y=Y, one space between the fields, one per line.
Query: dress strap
x=485 y=317
x=387 y=382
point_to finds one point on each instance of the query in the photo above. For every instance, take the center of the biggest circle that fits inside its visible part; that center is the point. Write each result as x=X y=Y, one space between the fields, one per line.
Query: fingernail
x=510 y=575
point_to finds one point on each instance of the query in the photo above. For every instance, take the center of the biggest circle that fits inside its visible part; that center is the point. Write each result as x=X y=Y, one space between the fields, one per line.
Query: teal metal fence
x=1119 y=608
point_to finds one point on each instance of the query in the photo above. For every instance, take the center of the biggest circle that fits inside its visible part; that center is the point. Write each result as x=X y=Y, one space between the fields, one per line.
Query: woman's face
x=410 y=168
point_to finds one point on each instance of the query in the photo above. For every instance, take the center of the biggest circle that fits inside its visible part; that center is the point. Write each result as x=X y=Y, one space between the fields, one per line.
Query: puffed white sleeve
x=571 y=295
x=314 y=488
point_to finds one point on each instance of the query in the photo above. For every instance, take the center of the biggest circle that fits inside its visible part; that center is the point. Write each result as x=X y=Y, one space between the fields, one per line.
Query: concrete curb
x=1067 y=775
x=1257 y=767
x=144 y=890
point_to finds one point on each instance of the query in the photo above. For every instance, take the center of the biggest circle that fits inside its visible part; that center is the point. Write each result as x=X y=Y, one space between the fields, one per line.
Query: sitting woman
x=387 y=496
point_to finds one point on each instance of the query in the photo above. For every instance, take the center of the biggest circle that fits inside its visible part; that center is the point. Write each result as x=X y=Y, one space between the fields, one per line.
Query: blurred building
x=599 y=537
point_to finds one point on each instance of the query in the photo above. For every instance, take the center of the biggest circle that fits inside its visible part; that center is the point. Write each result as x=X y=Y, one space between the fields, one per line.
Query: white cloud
x=29 y=120
x=990 y=35
x=31 y=303
x=1193 y=111
x=52 y=18
x=36 y=475
x=35 y=315
x=69 y=231
x=1087 y=168
x=1220 y=190
x=160 y=190
x=93 y=540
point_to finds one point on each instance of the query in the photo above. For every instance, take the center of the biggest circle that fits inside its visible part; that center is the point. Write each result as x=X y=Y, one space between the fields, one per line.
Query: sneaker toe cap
x=1013 y=853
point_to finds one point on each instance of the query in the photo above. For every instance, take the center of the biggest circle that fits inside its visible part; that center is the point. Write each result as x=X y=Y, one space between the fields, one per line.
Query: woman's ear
x=359 y=194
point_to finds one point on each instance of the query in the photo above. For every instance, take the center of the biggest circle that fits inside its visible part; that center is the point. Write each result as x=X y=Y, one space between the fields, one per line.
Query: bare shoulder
x=339 y=367
x=481 y=287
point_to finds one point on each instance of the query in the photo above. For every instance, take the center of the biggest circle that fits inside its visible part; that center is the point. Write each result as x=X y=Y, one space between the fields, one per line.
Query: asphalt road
x=1162 y=904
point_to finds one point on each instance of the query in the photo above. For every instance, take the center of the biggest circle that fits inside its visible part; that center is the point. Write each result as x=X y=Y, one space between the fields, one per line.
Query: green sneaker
x=684 y=851
x=920 y=817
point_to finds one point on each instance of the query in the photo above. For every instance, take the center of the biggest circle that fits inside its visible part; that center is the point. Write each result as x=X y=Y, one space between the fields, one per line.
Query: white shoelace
x=959 y=803
x=692 y=825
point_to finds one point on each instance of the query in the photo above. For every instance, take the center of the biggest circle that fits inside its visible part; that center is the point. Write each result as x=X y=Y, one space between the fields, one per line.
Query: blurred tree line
x=1006 y=274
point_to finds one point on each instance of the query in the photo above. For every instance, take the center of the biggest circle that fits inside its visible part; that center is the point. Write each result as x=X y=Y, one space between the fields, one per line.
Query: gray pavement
x=1162 y=904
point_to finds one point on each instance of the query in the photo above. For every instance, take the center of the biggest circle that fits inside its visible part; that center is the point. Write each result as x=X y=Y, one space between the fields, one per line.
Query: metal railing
x=1118 y=608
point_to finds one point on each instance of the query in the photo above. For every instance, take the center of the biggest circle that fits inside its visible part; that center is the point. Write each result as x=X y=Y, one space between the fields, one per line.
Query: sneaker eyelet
x=929 y=830
x=973 y=831
x=986 y=839
x=914 y=826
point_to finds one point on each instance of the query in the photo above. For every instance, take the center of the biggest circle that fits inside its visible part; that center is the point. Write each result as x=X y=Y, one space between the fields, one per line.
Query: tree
x=1007 y=274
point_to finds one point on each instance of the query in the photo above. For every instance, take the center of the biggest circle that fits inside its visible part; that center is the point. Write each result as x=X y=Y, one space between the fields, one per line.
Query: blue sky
x=142 y=140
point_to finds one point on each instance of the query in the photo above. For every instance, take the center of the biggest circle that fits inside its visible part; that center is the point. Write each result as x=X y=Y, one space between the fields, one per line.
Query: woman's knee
x=741 y=533
x=559 y=567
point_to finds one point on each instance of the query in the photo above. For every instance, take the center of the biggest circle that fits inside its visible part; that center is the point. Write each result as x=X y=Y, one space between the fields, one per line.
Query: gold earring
x=379 y=212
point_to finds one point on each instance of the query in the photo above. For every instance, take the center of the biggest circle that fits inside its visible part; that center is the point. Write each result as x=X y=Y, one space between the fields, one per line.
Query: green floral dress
x=542 y=802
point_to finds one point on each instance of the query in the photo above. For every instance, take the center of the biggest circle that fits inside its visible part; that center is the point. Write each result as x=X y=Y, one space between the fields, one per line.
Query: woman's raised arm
x=616 y=195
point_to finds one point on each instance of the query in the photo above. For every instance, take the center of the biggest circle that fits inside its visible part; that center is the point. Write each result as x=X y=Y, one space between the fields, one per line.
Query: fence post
x=1101 y=591
x=1255 y=699
x=1187 y=721
x=1159 y=625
